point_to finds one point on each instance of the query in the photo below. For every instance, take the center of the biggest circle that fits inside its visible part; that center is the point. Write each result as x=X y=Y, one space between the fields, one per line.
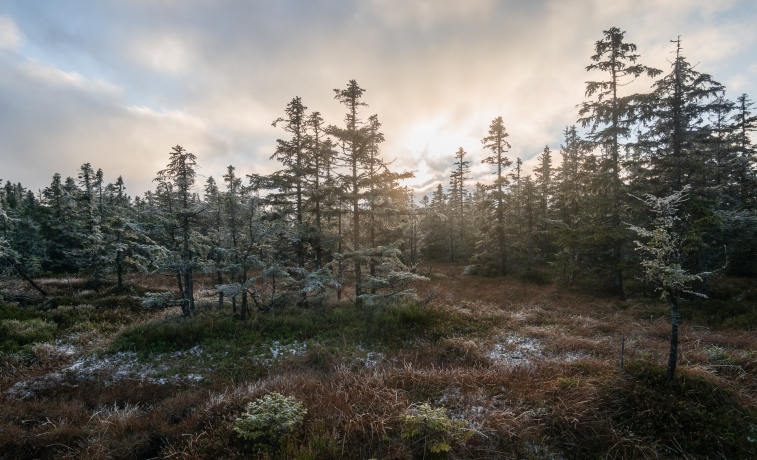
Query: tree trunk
x=188 y=293
x=28 y=279
x=220 y=293
x=356 y=237
x=673 y=356
x=119 y=270
x=178 y=281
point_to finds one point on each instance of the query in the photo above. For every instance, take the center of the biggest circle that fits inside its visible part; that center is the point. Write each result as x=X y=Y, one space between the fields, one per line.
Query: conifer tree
x=460 y=172
x=663 y=264
x=543 y=185
x=610 y=118
x=179 y=177
x=496 y=142
x=354 y=141
x=292 y=154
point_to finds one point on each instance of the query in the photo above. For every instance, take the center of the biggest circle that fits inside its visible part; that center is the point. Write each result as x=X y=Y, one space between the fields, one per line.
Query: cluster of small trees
x=574 y=218
x=336 y=212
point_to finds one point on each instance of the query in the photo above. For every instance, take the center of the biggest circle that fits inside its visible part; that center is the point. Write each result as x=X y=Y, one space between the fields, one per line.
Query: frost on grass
x=368 y=359
x=269 y=354
x=108 y=370
x=515 y=350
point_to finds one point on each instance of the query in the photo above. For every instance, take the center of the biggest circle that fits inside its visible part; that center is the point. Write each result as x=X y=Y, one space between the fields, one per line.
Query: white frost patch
x=372 y=359
x=277 y=350
x=108 y=370
x=515 y=350
x=365 y=358
x=571 y=356
x=58 y=349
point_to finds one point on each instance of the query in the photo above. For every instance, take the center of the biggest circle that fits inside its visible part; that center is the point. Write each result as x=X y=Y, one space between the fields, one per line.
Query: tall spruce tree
x=497 y=143
x=610 y=118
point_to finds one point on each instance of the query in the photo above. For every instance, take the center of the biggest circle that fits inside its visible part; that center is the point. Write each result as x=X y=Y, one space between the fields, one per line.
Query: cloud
x=127 y=80
x=163 y=53
x=10 y=36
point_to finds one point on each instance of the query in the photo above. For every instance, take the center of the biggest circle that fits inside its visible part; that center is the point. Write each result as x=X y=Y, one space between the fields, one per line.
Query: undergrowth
x=392 y=325
x=555 y=392
x=689 y=415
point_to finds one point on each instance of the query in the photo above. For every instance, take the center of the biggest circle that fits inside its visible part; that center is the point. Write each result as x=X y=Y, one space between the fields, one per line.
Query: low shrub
x=17 y=333
x=431 y=430
x=271 y=421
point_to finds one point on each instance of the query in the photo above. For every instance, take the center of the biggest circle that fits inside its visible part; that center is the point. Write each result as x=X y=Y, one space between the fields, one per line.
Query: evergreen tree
x=459 y=175
x=543 y=185
x=497 y=143
x=179 y=178
x=610 y=118
x=292 y=181
x=355 y=141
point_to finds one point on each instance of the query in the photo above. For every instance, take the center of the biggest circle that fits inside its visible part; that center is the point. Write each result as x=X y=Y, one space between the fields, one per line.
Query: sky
x=117 y=83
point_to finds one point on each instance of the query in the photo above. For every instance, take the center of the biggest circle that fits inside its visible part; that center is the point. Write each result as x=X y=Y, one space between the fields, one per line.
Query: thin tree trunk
x=220 y=293
x=178 y=281
x=119 y=270
x=187 y=306
x=673 y=356
x=339 y=248
x=29 y=280
x=356 y=236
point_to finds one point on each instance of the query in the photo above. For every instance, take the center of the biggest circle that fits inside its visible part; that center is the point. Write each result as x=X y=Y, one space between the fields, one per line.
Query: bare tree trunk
x=673 y=356
x=119 y=270
x=220 y=293
x=29 y=280
x=178 y=280
x=189 y=289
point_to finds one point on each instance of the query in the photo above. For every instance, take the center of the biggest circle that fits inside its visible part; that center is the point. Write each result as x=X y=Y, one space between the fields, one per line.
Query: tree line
x=336 y=217
x=574 y=219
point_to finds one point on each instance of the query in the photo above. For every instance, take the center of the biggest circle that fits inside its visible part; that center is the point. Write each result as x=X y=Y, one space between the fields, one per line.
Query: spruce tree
x=179 y=177
x=543 y=185
x=610 y=118
x=496 y=142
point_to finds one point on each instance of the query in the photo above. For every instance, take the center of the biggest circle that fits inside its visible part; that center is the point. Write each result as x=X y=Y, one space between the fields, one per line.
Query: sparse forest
x=600 y=306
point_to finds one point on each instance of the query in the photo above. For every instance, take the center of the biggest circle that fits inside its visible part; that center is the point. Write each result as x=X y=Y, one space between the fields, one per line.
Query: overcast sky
x=118 y=83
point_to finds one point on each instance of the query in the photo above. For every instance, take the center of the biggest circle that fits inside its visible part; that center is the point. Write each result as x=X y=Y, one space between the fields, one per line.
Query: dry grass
x=540 y=381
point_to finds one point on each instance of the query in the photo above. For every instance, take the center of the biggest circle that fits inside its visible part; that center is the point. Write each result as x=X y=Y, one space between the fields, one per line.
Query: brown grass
x=535 y=385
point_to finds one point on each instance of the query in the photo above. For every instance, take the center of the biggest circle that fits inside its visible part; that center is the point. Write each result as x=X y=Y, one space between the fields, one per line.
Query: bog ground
x=527 y=370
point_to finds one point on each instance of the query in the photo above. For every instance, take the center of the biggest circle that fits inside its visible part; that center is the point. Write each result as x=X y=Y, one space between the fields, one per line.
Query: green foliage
x=17 y=333
x=567 y=382
x=389 y=325
x=720 y=356
x=689 y=414
x=433 y=429
x=271 y=420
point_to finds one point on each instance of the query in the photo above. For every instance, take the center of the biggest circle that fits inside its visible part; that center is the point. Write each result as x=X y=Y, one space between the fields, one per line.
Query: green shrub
x=432 y=429
x=270 y=421
x=690 y=414
x=720 y=356
x=17 y=333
